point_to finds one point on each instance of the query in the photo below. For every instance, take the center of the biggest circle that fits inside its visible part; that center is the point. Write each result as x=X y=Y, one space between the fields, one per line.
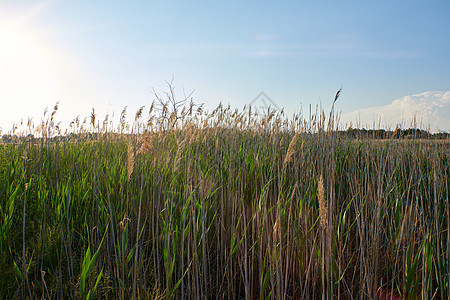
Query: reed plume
x=93 y=118
x=322 y=205
x=395 y=133
x=291 y=149
x=130 y=160
x=146 y=146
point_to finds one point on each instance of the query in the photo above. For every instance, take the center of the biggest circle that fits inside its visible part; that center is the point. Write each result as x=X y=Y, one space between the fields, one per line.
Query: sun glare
x=26 y=76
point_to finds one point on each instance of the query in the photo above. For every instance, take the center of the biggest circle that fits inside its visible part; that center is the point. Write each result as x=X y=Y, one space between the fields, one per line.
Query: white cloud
x=431 y=110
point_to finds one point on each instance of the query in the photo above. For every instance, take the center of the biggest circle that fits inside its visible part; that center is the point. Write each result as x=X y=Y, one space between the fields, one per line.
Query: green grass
x=214 y=209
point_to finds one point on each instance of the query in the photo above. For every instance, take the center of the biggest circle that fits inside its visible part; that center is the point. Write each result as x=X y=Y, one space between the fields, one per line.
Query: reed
x=226 y=204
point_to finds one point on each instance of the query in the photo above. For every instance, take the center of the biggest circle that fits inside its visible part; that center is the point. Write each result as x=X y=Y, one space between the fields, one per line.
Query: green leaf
x=88 y=265
x=266 y=279
x=176 y=285
x=11 y=202
x=179 y=281
x=172 y=266
x=411 y=268
x=270 y=295
x=92 y=262
x=130 y=255
x=84 y=270
x=18 y=272
x=99 y=277
x=236 y=247
x=29 y=262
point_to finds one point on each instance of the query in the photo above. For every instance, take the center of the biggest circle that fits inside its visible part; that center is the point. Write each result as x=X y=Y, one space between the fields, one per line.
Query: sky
x=391 y=58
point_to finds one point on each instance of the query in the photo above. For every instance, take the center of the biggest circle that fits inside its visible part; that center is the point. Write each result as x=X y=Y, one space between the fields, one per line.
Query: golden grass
x=291 y=149
x=130 y=159
x=322 y=204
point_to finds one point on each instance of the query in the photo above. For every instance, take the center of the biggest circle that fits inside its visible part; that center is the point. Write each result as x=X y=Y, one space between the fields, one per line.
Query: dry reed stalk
x=291 y=149
x=322 y=205
x=139 y=113
x=394 y=134
x=130 y=160
x=93 y=116
x=146 y=146
x=323 y=223
x=180 y=153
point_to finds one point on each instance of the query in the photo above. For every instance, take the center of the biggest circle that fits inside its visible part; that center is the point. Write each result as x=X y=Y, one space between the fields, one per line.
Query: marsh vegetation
x=227 y=204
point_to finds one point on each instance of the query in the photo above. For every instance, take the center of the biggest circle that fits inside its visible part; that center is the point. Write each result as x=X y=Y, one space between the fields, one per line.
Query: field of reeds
x=227 y=204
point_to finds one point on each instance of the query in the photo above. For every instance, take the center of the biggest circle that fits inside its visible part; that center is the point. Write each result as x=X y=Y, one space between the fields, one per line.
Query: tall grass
x=222 y=205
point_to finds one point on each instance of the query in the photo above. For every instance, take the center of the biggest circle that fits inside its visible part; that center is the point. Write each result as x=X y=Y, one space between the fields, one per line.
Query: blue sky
x=109 y=54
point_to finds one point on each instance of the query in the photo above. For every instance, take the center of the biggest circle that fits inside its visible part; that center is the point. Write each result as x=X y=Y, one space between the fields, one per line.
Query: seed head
x=130 y=158
x=291 y=149
x=322 y=204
